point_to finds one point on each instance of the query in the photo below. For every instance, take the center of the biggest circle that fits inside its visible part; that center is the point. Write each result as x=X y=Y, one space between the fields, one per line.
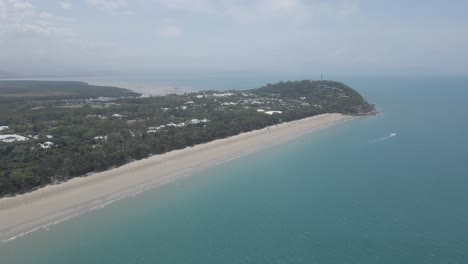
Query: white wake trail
x=384 y=138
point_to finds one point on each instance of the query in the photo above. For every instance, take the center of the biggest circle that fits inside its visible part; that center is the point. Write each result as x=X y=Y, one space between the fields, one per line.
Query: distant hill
x=339 y=97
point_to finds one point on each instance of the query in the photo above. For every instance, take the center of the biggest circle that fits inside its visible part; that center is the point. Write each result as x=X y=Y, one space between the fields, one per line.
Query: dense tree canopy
x=70 y=135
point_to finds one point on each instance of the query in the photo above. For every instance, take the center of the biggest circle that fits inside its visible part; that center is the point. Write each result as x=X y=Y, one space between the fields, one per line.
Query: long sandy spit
x=53 y=204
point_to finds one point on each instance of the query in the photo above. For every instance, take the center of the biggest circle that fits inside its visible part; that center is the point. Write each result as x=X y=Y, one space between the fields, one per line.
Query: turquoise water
x=336 y=196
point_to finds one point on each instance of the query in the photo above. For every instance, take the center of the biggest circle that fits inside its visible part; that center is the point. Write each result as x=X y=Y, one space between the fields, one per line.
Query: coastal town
x=78 y=134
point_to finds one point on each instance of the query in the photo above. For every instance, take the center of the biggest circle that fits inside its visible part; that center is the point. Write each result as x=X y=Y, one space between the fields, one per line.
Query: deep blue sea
x=347 y=194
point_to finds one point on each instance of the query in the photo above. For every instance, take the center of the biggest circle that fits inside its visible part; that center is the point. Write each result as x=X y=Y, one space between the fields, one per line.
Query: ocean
x=391 y=188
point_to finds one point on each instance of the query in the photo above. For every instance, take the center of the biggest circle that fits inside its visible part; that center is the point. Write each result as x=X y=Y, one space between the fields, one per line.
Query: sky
x=93 y=37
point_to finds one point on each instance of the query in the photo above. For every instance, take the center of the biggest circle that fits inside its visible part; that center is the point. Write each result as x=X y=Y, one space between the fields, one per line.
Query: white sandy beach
x=39 y=209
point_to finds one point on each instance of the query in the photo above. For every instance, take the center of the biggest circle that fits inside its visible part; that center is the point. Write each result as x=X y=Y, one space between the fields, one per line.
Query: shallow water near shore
x=347 y=194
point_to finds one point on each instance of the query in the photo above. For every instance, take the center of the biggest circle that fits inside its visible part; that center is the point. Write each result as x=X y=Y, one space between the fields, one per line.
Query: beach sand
x=52 y=204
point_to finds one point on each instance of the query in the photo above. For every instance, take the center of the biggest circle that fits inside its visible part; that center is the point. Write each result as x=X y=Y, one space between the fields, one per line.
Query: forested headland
x=53 y=131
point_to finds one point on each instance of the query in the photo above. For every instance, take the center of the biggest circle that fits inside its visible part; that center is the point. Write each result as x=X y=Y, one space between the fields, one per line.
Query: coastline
x=22 y=214
x=146 y=89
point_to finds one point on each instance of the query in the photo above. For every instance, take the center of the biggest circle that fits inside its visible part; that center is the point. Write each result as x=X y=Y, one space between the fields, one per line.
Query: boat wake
x=384 y=138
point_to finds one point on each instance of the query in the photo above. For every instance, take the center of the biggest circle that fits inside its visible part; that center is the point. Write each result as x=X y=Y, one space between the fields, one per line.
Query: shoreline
x=146 y=89
x=50 y=205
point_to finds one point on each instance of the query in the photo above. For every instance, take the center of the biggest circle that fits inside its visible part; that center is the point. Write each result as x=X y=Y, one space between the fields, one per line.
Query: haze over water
x=348 y=194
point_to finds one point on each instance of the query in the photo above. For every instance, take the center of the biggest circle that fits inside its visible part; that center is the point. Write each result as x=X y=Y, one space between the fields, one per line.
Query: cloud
x=130 y=13
x=86 y=46
x=45 y=30
x=49 y=16
x=169 y=20
x=280 y=6
x=264 y=10
x=19 y=19
x=45 y=15
x=65 y=5
x=19 y=9
x=14 y=10
x=108 y=4
x=171 y=31
x=64 y=19
x=197 y=6
x=3 y=10
x=347 y=9
x=339 y=35
x=22 y=5
x=295 y=12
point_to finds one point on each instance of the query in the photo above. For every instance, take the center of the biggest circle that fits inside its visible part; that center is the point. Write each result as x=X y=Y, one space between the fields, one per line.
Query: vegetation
x=57 y=89
x=66 y=129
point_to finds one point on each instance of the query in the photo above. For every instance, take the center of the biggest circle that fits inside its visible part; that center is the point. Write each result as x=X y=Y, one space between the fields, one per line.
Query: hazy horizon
x=338 y=37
